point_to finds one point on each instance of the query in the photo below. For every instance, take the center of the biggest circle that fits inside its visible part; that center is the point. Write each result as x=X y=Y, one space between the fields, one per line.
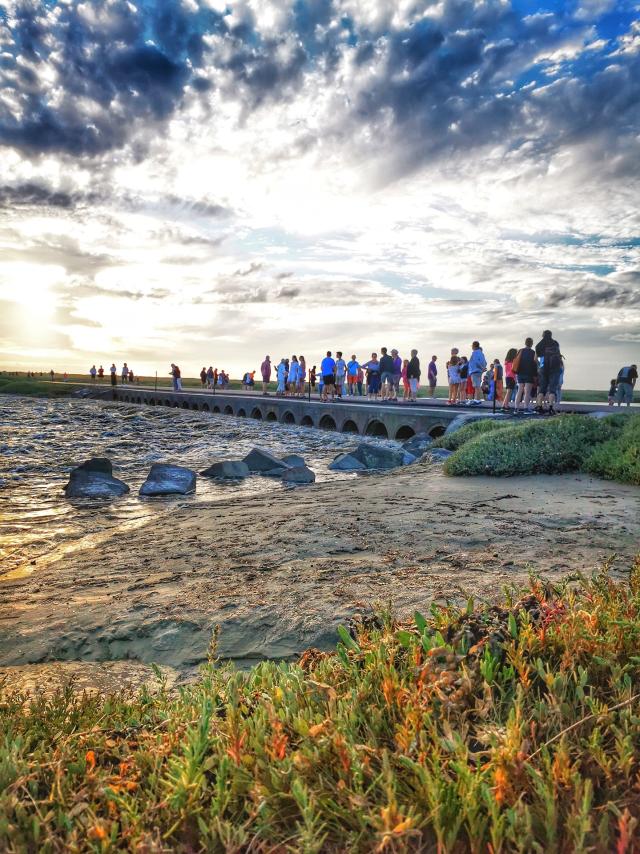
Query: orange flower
x=90 y=759
x=501 y=782
x=97 y=832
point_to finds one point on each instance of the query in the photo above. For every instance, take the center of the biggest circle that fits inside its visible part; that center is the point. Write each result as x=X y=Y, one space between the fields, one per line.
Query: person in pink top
x=509 y=378
x=265 y=370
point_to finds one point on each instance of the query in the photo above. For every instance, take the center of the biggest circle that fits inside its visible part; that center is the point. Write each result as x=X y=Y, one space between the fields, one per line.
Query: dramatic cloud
x=257 y=173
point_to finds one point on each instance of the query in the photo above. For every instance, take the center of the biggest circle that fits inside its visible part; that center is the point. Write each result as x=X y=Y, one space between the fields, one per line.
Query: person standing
x=405 y=381
x=432 y=376
x=453 y=374
x=360 y=382
x=498 y=380
x=548 y=353
x=328 y=371
x=397 y=373
x=525 y=367
x=312 y=378
x=510 y=378
x=282 y=378
x=463 y=370
x=352 y=375
x=113 y=371
x=386 y=374
x=176 y=377
x=302 y=375
x=372 y=367
x=612 y=393
x=341 y=373
x=294 y=376
x=477 y=365
x=125 y=373
x=203 y=377
x=131 y=377
x=265 y=372
x=92 y=373
x=626 y=382
x=100 y=373
x=413 y=375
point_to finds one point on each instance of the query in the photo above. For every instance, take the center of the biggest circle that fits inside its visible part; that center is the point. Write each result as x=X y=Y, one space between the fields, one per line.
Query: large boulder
x=294 y=460
x=260 y=460
x=418 y=444
x=380 y=457
x=166 y=479
x=437 y=455
x=94 y=479
x=227 y=470
x=298 y=474
x=346 y=462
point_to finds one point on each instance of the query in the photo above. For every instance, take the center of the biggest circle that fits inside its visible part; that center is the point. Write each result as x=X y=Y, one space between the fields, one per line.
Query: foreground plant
x=499 y=729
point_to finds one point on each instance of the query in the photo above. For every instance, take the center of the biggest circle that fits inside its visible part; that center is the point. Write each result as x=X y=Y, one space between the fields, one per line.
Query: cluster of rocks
x=94 y=478
x=375 y=457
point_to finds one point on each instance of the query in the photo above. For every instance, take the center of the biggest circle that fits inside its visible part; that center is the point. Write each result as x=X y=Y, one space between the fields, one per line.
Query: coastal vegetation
x=608 y=447
x=486 y=728
x=35 y=388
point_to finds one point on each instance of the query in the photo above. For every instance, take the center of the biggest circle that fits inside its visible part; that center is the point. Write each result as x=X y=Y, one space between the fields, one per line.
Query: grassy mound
x=512 y=728
x=609 y=447
x=456 y=440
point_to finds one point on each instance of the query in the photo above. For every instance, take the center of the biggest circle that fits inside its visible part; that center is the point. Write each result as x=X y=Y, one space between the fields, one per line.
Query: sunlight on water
x=40 y=441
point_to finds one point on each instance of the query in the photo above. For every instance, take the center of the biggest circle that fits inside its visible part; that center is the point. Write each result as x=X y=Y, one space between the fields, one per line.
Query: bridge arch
x=306 y=421
x=185 y=404
x=288 y=418
x=228 y=410
x=350 y=426
x=327 y=422
x=216 y=408
x=152 y=401
x=376 y=428
x=241 y=413
x=256 y=413
x=271 y=416
x=437 y=431
x=404 y=432
x=195 y=406
x=205 y=407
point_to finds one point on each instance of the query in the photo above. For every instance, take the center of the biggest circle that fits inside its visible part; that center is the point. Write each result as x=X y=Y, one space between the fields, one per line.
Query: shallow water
x=40 y=441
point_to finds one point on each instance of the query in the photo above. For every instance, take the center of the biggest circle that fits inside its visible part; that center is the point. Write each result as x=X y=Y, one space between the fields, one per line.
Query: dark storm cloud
x=592 y=295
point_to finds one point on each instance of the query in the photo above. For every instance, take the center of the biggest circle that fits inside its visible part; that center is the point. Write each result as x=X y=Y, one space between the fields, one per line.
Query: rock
x=93 y=479
x=262 y=461
x=378 y=457
x=227 y=470
x=418 y=444
x=346 y=462
x=294 y=460
x=274 y=472
x=437 y=455
x=165 y=479
x=298 y=474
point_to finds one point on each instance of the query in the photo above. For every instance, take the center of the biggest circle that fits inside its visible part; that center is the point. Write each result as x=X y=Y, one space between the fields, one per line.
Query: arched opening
x=350 y=427
x=306 y=421
x=288 y=418
x=152 y=402
x=241 y=413
x=205 y=407
x=216 y=409
x=185 y=404
x=167 y=403
x=437 y=431
x=194 y=406
x=228 y=410
x=140 y=400
x=327 y=423
x=271 y=416
x=405 y=432
x=256 y=414
x=377 y=428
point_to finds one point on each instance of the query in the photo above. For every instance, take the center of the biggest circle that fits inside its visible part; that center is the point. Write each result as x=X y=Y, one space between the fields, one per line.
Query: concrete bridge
x=386 y=420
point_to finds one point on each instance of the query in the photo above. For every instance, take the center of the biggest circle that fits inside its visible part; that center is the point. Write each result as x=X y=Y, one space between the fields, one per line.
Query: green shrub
x=510 y=728
x=619 y=457
x=477 y=428
x=549 y=446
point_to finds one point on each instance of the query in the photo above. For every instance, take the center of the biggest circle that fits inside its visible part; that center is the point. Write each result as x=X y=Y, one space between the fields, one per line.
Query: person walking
x=113 y=371
x=432 y=376
x=477 y=366
x=525 y=367
x=328 y=371
x=626 y=382
x=413 y=375
x=548 y=353
x=265 y=371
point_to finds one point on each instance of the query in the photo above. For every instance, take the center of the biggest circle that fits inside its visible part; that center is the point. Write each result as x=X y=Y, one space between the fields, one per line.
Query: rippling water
x=40 y=441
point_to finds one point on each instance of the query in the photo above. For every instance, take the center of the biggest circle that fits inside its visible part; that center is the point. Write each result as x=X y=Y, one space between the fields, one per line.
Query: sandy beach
x=278 y=573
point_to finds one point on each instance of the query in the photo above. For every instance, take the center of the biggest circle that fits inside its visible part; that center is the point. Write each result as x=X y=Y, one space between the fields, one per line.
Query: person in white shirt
x=341 y=370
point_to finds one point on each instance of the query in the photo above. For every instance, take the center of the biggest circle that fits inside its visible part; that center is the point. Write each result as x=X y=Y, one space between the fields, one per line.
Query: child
x=405 y=380
x=453 y=372
x=612 y=392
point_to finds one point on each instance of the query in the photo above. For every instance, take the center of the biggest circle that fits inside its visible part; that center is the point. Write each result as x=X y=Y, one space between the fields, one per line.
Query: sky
x=206 y=182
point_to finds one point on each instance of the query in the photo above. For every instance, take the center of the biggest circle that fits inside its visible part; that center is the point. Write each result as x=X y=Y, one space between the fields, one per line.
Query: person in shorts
x=432 y=375
x=372 y=367
x=413 y=375
x=509 y=378
x=340 y=373
x=397 y=373
x=549 y=356
x=328 y=371
x=525 y=367
x=477 y=365
x=352 y=376
x=386 y=374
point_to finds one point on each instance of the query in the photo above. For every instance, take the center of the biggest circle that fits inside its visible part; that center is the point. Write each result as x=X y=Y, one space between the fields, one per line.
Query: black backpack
x=552 y=360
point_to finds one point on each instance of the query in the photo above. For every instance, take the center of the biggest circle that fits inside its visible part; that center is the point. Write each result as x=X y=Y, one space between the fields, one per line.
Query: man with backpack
x=626 y=381
x=550 y=368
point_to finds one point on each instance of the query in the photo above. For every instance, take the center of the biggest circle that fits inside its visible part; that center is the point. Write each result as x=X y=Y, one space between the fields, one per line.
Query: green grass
x=35 y=388
x=512 y=728
x=608 y=447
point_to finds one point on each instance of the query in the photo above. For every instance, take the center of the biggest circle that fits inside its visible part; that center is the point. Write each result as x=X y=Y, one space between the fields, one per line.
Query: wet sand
x=278 y=573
